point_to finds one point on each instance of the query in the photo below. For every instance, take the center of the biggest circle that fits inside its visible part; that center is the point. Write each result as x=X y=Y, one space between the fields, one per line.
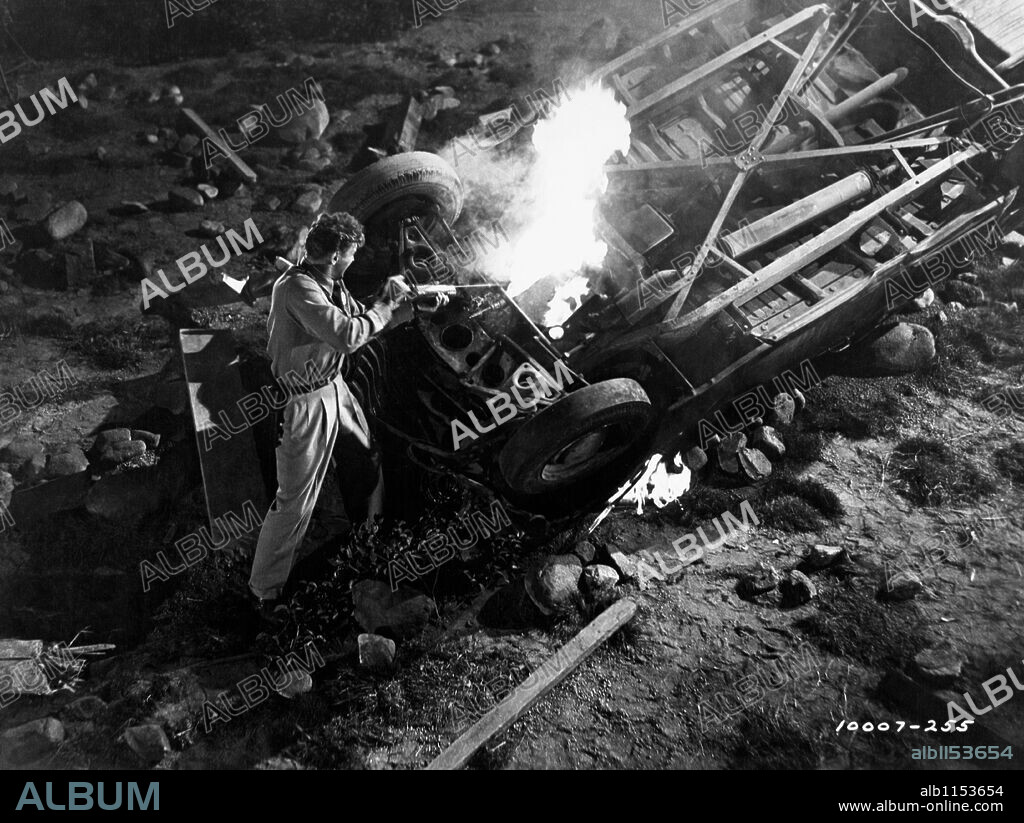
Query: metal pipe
x=857 y=101
x=773 y=226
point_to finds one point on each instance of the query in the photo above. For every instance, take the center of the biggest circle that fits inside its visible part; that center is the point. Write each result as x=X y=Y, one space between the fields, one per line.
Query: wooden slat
x=550 y=674
x=708 y=69
x=242 y=169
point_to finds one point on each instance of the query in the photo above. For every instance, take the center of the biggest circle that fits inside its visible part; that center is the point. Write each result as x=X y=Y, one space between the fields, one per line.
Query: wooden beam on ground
x=537 y=685
x=241 y=168
x=229 y=461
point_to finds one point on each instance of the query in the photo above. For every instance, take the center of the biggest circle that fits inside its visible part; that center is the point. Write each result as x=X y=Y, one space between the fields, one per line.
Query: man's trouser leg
x=358 y=462
x=310 y=432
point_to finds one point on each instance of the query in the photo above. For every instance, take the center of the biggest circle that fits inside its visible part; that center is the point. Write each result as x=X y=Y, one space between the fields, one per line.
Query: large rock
x=754 y=464
x=309 y=202
x=585 y=551
x=25 y=457
x=728 y=451
x=376 y=653
x=903 y=586
x=148 y=741
x=767 y=441
x=783 y=410
x=403 y=613
x=66 y=220
x=598 y=582
x=821 y=557
x=127 y=497
x=761 y=581
x=797 y=589
x=940 y=666
x=31 y=741
x=695 y=459
x=966 y=293
x=310 y=125
x=904 y=349
x=70 y=461
x=554 y=584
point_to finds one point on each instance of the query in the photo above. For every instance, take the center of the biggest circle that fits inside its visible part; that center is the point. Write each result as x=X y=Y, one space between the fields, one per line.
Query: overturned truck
x=782 y=194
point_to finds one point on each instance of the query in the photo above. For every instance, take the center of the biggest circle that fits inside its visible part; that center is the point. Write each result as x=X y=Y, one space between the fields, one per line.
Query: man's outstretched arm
x=309 y=307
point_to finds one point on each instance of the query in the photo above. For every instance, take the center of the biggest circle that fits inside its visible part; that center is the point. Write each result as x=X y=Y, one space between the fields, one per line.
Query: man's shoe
x=272 y=611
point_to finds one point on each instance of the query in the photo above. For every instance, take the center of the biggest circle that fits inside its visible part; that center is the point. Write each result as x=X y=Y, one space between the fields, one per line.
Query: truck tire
x=583 y=440
x=416 y=183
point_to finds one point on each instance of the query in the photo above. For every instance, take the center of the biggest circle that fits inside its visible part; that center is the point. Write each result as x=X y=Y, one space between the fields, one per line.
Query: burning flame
x=657 y=484
x=564 y=186
x=568 y=297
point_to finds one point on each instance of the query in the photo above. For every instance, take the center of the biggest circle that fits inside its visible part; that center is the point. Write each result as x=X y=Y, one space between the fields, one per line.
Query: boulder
x=904 y=349
x=695 y=459
x=66 y=220
x=903 y=586
x=965 y=293
x=553 y=585
x=783 y=410
x=148 y=741
x=31 y=741
x=761 y=581
x=598 y=582
x=940 y=666
x=70 y=461
x=25 y=457
x=185 y=199
x=754 y=465
x=624 y=565
x=797 y=589
x=376 y=653
x=310 y=125
x=821 y=557
x=88 y=707
x=728 y=451
x=403 y=613
x=309 y=202
x=767 y=441
x=127 y=497
x=585 y=551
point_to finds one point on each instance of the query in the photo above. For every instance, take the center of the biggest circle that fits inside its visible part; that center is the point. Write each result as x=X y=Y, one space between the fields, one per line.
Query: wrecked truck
x=777 y=185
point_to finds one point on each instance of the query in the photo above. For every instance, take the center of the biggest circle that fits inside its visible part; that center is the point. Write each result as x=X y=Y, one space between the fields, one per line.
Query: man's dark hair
x=330 y=232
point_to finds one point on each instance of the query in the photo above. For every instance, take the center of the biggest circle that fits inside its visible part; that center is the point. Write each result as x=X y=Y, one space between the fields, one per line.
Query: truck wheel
x=414 y=184
x=580 y=441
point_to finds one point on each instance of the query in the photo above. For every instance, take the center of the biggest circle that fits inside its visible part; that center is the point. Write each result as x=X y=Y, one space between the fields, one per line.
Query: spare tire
x=416 y=183
x=579 y=441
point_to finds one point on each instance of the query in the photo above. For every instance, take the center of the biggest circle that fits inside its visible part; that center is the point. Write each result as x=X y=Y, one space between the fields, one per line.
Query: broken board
x=229 y=462
x=196 y=124
x=552 y=672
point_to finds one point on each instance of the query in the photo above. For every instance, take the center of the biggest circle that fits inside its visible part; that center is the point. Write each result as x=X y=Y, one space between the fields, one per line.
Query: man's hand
x=396 y=290
x=401 y=313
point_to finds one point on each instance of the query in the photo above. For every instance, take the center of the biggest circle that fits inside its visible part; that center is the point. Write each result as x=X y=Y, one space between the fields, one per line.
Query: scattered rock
x=148 y=741
x=376 y=653
x=783 y=410
x=32 y=741
x=211 y=228
x=208 y=191
x=1007 y=308
x=309 y=202
x=554 y=584
x=797 y=589
x=925 y=300
x=270 y=203
x=70 y=461
x=151 y=440
x=131 y=207
x=310 y=125
x=598 y=582
x=904 y=349
x=821 y=557
x=403 y=613
x=761 y=581
x=118 y=453
x=25 y=458
x=625 y=565
x=767 y=441
x=299 y=682
x=695 y=459
x=754 y=464
x=585 y=551
x=66 y=220
x=940 y=666
x=728 y=451
x=183 y=199
x=86 y=708
x=798 y=396
x=962 y=292
x=903 y=586
x=954 y=307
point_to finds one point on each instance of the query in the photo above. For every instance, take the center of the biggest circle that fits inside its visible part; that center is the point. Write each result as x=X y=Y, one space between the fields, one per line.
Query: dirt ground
x=644 y=700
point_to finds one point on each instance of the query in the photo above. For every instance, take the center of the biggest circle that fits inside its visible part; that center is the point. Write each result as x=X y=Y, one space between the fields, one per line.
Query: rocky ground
x=897 y=503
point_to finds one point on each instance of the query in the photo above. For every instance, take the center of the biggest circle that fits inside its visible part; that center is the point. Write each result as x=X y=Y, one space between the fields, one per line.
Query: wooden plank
x=229 y=463
x=645 y=48
x=237 y=163
x=552 y=672
x=708 y=69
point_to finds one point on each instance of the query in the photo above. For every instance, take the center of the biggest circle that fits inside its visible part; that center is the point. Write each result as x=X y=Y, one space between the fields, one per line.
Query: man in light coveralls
x=314 y=323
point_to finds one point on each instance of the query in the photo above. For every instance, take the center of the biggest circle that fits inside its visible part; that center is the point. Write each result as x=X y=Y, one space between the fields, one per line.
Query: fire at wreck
x=740 y=194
